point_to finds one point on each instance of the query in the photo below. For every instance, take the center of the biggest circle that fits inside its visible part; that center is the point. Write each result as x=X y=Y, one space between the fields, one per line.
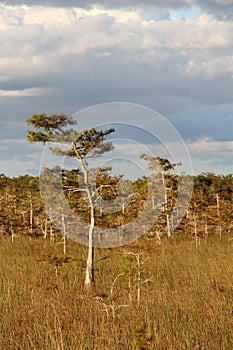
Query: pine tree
x=78 y=145
x=164 y=167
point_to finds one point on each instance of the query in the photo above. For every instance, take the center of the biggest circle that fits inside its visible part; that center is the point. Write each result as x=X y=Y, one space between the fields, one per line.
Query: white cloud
x=49 y=16
x=203 y=33
x=206 y=147
x=44 y=40
x=120 y=16
x=25 y=92
x=209 y=155
x=113 y=3
x=211 y=67
x=60 y=57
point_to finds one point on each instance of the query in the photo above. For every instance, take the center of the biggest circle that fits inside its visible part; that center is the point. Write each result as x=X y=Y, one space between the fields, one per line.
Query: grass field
x=186 y=301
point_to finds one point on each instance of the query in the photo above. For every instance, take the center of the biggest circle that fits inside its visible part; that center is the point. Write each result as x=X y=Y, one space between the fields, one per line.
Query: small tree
x=88 y=143
x=165 y=168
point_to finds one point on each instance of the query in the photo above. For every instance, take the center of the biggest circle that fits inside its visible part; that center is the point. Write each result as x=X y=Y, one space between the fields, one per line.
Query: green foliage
x=47 y=126
x=18 y=194
x=128 y=264
x=159 y=163
x=53 y=129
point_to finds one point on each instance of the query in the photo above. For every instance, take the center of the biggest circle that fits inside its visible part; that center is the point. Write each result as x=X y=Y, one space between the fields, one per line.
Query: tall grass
x=187 y=305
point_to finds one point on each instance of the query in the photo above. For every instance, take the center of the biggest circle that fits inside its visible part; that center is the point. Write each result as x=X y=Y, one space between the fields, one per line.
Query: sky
x=174 y=57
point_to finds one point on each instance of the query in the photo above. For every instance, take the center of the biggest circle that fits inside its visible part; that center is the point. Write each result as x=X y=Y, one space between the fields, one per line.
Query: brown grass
x=188 y=304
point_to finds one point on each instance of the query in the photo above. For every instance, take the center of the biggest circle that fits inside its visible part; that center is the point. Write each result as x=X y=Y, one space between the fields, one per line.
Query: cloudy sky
x=175 y=57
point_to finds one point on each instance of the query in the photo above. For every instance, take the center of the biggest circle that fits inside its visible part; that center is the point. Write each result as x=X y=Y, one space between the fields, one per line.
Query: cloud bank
x=220 y=8
x=89 y=54
x=60 y=58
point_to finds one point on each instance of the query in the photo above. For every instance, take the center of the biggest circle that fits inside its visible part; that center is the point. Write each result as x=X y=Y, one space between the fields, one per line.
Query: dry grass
x=188 y=304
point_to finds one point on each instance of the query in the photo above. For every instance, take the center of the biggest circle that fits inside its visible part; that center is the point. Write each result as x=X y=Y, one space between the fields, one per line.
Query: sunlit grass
x=187 y=305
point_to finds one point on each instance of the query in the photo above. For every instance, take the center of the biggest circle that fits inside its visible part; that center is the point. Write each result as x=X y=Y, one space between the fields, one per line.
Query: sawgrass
x=188 y=304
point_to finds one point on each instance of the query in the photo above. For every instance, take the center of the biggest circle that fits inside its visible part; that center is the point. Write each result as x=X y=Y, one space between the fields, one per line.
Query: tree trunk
x=31 y=215
x=206 y=229
x=218 y=214
x=166 y=205
x=45 y=228
x=197 y=239
x=89 y=279
x=64 y=234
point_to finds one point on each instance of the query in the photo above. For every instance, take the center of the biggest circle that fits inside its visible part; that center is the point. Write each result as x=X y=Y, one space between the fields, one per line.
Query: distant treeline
x=210 y=210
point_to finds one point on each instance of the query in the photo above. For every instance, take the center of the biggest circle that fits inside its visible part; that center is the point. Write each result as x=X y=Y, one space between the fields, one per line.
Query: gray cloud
x=172 y=58
x=212 y=5
x=214 y=122
x=215 y=6
x=60 y=60
x=107 y=3
x=221 y=9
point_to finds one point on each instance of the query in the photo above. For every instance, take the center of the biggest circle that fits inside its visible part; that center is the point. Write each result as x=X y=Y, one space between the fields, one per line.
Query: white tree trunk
x=166 y=205
x=64 y=234
x=89 y=279
x=218 y=214
x=197 y=239
x=31 y=215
